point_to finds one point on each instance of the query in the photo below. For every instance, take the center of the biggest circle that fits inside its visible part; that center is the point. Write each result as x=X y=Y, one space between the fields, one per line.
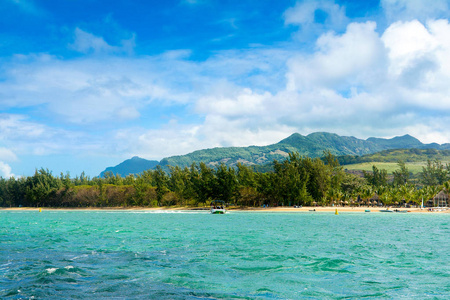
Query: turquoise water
x=195 y=255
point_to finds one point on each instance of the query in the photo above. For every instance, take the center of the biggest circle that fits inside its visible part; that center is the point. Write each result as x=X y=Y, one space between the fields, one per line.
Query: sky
x=86 y=84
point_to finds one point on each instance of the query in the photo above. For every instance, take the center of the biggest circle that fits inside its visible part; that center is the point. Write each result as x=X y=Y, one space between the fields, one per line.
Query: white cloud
x=240 y=103
x=93 y=90
x=171 y=139
x=408 y=10
x=314 y=17
x=219 y=130
x=5 y=170
x=350 y=59
x=20 y=136
x=419 y=62
x=408 y=43
x=7 y=154
x=15 y=127
x=86 y=42
x=306 y=13
x=358 y=82
x=87 y=90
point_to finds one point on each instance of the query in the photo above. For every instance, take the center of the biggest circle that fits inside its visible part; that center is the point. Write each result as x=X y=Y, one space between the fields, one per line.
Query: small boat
x=386 y=210
x=400 y=211
x=367 y=210
x=218 y=207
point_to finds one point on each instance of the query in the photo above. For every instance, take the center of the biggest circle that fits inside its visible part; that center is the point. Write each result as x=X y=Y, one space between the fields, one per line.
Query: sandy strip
x=249 y=209
x=340 y=209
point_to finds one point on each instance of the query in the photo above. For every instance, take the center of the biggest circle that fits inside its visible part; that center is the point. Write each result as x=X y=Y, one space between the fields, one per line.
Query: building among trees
x=439 y=200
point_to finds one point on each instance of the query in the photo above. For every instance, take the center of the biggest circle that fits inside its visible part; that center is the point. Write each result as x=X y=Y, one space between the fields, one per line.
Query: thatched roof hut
x=375 y=199
x=441 y=199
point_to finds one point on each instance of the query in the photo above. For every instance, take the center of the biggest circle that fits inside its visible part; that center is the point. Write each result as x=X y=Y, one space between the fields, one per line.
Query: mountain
x=312 y=145
x=134 y=165
x=400 y=142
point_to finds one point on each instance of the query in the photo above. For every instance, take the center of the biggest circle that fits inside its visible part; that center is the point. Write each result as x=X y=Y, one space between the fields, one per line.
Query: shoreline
x=360 y=209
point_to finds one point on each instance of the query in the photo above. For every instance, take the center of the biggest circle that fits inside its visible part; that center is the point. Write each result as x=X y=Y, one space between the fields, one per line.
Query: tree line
x=297 y=180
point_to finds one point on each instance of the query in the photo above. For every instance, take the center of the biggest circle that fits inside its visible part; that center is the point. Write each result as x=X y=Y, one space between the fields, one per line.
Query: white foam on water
x=81 y=256
x=51 y=270
x=5 y=266
x=68 y=267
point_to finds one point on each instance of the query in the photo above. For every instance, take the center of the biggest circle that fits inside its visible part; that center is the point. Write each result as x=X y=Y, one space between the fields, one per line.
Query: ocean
x=239 y=255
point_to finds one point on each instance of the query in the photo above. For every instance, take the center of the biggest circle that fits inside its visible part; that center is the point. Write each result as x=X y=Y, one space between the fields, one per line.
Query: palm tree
x=367 y=192
x=333 y=195
x=447 y=186
x=418 y=196
x=432 y=190
x=383 y=193
x=406 y=192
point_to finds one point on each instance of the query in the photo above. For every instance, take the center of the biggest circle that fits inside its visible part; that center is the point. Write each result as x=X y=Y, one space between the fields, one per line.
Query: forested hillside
x=312 y=145
x=394 y=155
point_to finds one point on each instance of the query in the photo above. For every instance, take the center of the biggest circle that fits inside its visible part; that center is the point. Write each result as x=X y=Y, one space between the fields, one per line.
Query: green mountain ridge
x=312 y=145
x=134 y=165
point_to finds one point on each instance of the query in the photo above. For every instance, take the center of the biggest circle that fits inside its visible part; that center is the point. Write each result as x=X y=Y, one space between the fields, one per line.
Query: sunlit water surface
x=195 y=255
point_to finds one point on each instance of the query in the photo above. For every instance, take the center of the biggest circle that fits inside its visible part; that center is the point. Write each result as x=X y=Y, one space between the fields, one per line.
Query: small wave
x=5 y=266
x=51 y=270
x=80 y=256
x=331 y=265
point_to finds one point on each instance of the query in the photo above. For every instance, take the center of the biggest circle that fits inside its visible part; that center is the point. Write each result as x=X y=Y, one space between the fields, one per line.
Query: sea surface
x=240 y=255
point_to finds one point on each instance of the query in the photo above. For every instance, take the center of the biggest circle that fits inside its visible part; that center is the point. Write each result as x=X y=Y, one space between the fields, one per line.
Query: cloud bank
x=357 y=78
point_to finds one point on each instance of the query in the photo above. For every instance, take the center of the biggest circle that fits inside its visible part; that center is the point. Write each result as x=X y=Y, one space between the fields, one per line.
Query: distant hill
x=415 y=159
x=399 y=142
x=312 y=145
x=134 y=165
x=413 y=155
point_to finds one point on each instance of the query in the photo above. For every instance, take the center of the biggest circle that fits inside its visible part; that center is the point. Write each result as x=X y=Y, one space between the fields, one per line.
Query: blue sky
x=87 y=84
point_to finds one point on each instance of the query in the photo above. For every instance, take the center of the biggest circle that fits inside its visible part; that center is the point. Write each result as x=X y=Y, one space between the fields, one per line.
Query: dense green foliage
x=394 y=155
x=297 y=180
